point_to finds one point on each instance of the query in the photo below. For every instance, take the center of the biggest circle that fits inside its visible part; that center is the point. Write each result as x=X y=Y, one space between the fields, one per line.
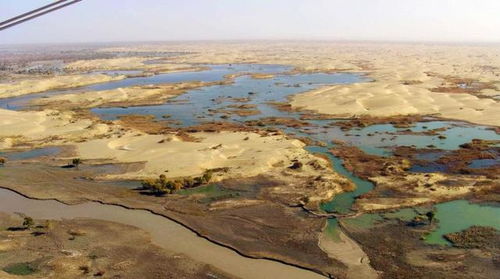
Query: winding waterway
x=201 y=105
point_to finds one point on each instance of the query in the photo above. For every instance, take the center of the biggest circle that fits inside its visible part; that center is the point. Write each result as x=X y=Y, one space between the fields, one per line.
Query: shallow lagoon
x=31 y=154
x=459 y=215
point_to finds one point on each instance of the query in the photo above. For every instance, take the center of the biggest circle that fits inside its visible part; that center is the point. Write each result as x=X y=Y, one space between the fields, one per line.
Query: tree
x=430 y=215
x=188 y=182
x=28 y=223
x=156 y=186
x=162 y=185
x=76 y=162
x=177 y=185
x=207 y=176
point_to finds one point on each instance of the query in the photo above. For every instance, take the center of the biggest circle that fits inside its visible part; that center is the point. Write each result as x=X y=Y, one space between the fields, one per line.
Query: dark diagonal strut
x=36 y=13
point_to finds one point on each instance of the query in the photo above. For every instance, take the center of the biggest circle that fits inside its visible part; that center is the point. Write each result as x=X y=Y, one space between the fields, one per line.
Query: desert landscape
x=296 y=159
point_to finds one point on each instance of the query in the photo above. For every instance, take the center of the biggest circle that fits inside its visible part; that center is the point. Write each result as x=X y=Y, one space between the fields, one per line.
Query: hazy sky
x=158 y=20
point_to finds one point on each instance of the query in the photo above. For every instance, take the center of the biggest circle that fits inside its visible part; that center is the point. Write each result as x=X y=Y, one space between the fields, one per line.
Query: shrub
x=177 y=185
x=76 y=162
x=207 y=176
x=157 y=187
x=163 y=186
x=189 y=182
x=28 y=222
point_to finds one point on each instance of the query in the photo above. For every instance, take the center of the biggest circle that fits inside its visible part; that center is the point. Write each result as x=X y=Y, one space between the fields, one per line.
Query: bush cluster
x=162 y=185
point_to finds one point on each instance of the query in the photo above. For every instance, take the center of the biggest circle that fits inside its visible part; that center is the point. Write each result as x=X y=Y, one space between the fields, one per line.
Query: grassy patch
x=210 y=193
x=20 y=269
x=364 y=221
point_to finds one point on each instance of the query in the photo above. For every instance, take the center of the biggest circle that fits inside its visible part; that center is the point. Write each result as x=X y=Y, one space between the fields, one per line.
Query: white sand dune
x=402 y=74
x=128 y=95
x=26 y=127
x=384 y=99
x=125 y=63
x=246 y=154
x=176 y=158
x=28 y=86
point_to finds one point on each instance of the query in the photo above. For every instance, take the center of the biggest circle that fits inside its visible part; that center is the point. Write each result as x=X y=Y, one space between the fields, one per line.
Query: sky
x=176 y=20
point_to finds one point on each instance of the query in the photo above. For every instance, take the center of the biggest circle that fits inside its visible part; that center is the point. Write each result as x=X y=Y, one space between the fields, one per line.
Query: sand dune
x=246 y=154
x=35 y=127
x=29 y=86
x=385 y=99
x=173 y=157
x=126 y=63
x=404 y=76
x=128 y=96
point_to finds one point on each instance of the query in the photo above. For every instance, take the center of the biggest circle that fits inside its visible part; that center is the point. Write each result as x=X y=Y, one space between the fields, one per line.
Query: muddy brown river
x=164 y=233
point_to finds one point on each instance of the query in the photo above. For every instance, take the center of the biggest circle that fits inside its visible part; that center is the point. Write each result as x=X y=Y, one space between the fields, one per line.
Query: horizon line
x=380 y=41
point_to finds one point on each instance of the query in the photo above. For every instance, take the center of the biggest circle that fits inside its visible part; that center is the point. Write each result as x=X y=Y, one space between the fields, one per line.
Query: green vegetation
x=20 y=269
x=423 y=219
x=364 y=221
x=28 y=223
x=475 y=237
x=76 y=162
x=210 y=193
x=430 y=215
x=162 y=185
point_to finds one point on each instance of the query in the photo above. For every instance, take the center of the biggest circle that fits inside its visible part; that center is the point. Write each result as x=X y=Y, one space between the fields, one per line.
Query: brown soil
x=365 y=121
x=395 y=249
x=270 y=228
x=215 y=127
x=280 y=121
x=281 y=106
x=411 y=82
x=476 y=237
x=81 y=248
x=475 y=150
x=145 y=123
x=240 y=110
x=453 y=84
x=366 y=165
x=457 y=161
x=396 y=186
x=220 y=100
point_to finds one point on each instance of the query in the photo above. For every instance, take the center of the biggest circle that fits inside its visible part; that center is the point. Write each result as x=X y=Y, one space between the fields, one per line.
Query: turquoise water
x=342 y=203
x=332 y=229
x=459 y=215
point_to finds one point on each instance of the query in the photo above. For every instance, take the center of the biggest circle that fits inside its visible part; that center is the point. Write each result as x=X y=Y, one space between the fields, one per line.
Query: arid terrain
x=300 y=160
